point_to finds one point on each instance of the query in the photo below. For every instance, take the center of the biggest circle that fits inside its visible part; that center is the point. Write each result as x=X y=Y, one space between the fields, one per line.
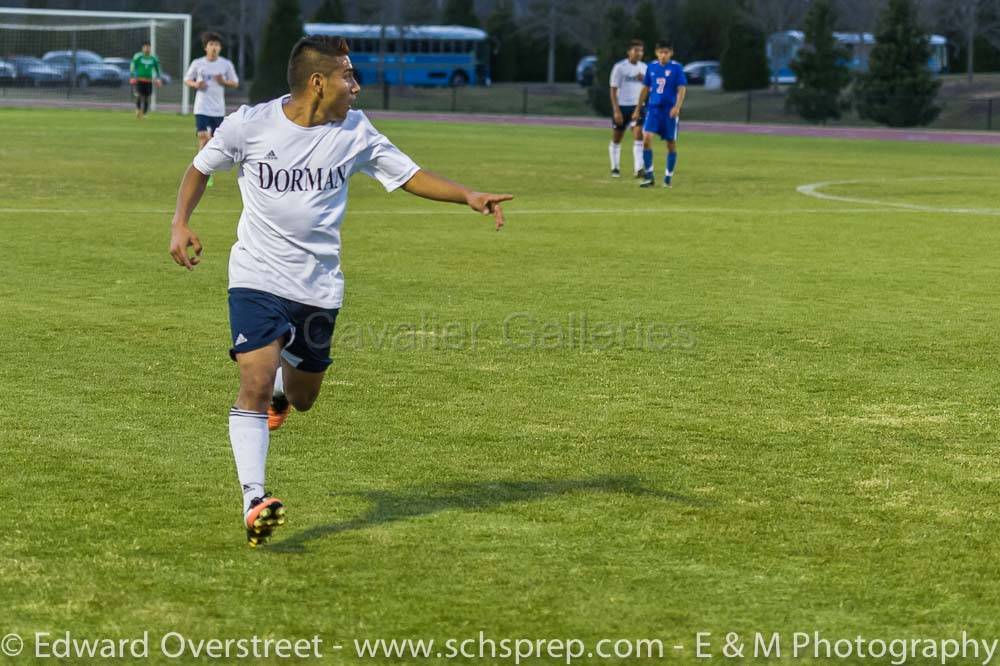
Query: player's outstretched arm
x=431 y=186
x=181 y=237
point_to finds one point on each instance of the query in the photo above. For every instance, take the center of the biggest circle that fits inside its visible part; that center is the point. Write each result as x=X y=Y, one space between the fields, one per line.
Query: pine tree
x=460 y=12
x=898 y=90
x=331 y=11
x=744 y=61
x=820 y=69
x=645 y=28
x=505 y=44
x=702 y=27
x=617 y=31
x=284 y=28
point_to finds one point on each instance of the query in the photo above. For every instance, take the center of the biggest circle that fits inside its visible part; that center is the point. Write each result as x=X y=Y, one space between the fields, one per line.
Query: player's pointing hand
x=489 y=204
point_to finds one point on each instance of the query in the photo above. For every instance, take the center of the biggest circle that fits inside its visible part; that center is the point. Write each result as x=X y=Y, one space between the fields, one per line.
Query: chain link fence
x=975 y=112
x=959 y=112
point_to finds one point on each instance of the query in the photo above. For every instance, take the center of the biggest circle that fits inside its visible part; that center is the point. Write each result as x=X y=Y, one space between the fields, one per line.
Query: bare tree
x=771 y=16
x=560 y=18
x=971 y=19
x=859 y=16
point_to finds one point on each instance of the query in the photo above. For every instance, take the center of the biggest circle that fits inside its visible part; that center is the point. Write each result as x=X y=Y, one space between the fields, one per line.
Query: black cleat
x=647 y=180
x=615 y=173
x=264 y=515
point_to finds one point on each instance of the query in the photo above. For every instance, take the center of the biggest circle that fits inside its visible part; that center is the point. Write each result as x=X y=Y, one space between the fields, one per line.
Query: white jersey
x=212 y=100
x=293 y=181
x=628 y=79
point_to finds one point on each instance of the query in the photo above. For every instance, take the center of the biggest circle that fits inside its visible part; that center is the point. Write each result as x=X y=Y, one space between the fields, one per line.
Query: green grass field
x=803 y=434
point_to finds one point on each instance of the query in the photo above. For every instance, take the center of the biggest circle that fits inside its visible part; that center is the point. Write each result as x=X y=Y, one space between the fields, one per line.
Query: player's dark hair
x=146 y=42
x=665 y=44
x=207 y=37
x=308 y=55
x=636 y=42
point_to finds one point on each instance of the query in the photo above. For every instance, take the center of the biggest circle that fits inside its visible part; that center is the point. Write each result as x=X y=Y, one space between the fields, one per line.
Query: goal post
x=76 y=56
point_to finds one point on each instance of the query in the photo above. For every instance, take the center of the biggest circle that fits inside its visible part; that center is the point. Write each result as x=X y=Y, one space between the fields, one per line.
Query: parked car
x=89 y=69
x=585 y=70
x=8 y=74
x=699 y=70
x=124 y=65
x=31 y=71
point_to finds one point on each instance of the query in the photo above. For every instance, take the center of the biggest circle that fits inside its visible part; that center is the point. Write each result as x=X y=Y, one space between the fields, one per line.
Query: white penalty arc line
x=813 y=190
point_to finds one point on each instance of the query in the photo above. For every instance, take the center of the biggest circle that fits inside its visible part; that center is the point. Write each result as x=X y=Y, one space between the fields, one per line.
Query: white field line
x=512 y=211
x=813 y=190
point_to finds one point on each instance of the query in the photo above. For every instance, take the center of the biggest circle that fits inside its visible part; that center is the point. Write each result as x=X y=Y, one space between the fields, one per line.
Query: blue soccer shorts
x=207 y=123
x=257 y=318
x=627 y=112
x=658 y=121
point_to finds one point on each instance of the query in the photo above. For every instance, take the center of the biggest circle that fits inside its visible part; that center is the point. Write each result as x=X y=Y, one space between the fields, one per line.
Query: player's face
x=146 y=48
x=339 y=90
x=212 y=50
x=635 y=54
x=664 y=55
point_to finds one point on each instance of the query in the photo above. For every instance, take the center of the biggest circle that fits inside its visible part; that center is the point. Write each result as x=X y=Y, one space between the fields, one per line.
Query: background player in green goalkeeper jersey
x=143 y=74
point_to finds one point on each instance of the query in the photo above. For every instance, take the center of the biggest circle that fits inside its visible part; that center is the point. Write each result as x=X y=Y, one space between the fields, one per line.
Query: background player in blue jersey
x=663 y=91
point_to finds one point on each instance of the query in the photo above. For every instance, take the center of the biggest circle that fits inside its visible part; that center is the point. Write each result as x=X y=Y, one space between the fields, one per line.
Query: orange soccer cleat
x=277 y=412
x=265 y=514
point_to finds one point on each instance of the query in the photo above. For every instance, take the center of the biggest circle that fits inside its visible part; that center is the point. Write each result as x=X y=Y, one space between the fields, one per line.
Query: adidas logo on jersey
x=270 y=155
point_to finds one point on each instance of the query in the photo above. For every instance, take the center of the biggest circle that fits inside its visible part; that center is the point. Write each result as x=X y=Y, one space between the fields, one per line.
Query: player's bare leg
x=302 y=388
x=249 y=436
x=292 y=388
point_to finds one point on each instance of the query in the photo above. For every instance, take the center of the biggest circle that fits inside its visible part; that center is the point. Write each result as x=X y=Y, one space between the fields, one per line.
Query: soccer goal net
x=82 y=58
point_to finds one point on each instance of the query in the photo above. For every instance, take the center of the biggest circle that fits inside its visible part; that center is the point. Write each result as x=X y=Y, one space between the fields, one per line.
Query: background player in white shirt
x=210 y=76
x=626 y=83
x=295 y=156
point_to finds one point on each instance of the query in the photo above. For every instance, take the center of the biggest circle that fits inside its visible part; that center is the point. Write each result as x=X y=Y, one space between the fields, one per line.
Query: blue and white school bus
x=783 y=47
x=425 y=55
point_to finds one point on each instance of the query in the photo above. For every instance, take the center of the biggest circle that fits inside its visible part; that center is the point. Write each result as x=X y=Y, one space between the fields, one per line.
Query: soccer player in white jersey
x=294 y=156
x=626 y=83
x=210 y=76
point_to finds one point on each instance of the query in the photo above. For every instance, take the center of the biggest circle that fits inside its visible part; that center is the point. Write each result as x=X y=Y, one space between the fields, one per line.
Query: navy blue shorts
x=257 y=318
x=207 y=123
x=627 y=112
x=658 y=121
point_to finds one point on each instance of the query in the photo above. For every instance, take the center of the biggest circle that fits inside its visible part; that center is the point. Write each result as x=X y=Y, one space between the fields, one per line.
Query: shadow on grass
x=392 y=506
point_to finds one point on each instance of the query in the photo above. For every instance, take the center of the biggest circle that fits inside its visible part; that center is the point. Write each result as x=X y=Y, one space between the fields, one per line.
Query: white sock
x=637 y=157
x=279 y=382
x=615 y=151
x=248 y=435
